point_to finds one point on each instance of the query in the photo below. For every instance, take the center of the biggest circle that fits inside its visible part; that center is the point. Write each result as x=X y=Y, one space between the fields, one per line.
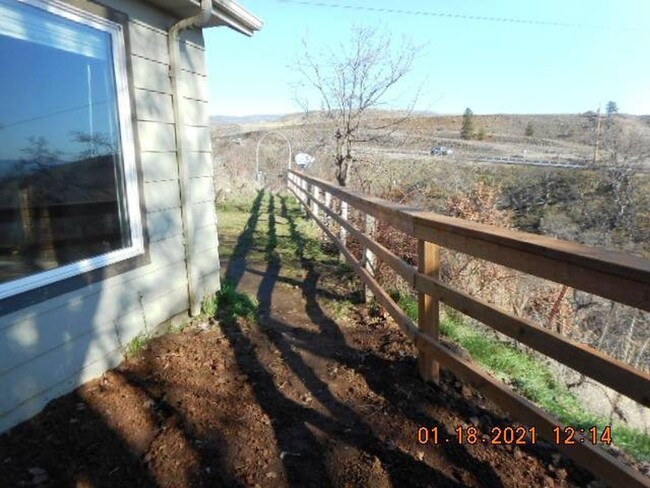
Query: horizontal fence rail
x=612 y=275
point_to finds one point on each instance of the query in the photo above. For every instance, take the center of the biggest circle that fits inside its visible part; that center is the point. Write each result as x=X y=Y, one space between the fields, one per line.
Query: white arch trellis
x=257 y=151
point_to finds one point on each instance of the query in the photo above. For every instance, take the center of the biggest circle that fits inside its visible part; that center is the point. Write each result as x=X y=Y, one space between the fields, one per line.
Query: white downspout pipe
x=196 y=21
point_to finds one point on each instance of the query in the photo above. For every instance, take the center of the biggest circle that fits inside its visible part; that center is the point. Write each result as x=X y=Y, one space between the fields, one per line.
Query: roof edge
x=236 y=17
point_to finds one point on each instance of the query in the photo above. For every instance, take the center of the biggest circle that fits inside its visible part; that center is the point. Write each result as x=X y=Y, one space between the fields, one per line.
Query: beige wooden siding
x=164 y=224
x=158 y=167
x=27 y=387
x=200 y=164
x=50 y=348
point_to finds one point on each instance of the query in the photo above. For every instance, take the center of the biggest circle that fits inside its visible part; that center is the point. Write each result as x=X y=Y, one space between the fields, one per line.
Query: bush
x=530 y=130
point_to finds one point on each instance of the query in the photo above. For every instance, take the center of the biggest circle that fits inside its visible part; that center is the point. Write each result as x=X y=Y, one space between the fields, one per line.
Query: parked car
x=441 y=151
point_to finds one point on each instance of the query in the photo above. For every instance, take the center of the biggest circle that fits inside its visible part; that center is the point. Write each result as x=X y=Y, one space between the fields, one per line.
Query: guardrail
x=536 y=162
x=613 y=275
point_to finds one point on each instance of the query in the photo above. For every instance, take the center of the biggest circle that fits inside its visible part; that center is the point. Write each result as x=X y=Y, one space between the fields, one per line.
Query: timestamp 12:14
x=567 y=435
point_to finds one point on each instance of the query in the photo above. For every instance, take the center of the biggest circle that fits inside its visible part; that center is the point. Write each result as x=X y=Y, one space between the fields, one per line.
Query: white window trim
x=118 y=49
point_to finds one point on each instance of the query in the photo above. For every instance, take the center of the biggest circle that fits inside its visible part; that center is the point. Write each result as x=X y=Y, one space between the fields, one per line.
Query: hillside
x=560 y=136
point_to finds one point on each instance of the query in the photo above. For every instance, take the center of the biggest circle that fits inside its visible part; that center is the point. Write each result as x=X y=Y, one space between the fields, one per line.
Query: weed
x=340 y=308
x=137 y=344
x=408 y=303
x=210 y=306
x=178 y=329
x=231 y=304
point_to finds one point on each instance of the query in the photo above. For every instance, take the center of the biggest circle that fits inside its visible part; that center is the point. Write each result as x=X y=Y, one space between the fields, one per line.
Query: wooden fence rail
x=612 y=275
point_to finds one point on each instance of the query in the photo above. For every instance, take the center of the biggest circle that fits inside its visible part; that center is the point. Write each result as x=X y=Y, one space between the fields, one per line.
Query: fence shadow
x=292 y=422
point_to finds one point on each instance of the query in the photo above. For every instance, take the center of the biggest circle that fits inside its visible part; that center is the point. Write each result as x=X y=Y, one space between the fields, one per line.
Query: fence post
x=314 y=205
x=369 y=256
x=344 y=215
x=428 y=309
x=328 y=204
x=305 y=196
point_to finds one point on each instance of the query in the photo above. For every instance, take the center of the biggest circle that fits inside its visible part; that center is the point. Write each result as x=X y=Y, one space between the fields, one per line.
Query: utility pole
x=598 y=124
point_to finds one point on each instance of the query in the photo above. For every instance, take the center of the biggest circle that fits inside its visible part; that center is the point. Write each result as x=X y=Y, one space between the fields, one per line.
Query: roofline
x=229 y=13
x=236 y=16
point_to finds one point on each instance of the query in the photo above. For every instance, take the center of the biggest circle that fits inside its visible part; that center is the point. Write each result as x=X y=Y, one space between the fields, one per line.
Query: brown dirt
x=297 y=397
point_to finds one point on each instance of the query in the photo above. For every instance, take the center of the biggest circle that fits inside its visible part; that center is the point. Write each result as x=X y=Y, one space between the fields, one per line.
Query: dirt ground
x=304 y=393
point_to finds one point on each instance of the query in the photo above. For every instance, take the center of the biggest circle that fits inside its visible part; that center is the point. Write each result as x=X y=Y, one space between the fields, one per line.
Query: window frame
x=129 y=162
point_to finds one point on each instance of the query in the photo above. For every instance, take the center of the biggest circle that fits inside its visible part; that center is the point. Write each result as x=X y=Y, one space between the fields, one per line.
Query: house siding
x=50 y=348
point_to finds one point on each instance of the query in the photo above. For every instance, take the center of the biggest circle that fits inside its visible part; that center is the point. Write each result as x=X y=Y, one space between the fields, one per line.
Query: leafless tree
x=352 y=79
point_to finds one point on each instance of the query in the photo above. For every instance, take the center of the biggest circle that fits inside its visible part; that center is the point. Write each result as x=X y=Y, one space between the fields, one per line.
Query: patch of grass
x=300 y=239
x=137 y=344
x=304 y=236
x=230 y=304
x=210 y=306
x=528 y=376
x=180 y=328
x=408 y=303
x=340 y=309
x=235 y=204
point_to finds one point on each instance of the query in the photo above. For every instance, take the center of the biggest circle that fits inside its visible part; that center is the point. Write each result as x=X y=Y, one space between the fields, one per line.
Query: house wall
x=49 y=348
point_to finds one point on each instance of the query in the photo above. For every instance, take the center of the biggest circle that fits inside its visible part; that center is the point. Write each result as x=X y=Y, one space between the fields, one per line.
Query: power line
x=446 y=15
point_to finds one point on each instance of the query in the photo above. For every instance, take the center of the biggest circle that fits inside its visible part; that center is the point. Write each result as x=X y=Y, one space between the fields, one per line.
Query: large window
x=68 y=189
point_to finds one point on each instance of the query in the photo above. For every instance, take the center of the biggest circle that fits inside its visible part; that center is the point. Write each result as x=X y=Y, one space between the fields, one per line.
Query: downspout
x=196 y=21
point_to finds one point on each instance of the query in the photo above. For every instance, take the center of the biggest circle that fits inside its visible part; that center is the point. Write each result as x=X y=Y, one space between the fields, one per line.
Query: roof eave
x=224 y=12
x=236 y=16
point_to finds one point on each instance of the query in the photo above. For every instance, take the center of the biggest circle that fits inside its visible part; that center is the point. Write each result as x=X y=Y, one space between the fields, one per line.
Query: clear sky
x=490 y=66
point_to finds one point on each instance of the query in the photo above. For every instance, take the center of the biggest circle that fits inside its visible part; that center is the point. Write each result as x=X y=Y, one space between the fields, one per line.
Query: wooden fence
x=612 y=275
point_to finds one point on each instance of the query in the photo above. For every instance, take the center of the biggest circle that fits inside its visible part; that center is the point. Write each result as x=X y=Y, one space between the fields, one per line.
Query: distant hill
x=218 y=120
x=244 y=119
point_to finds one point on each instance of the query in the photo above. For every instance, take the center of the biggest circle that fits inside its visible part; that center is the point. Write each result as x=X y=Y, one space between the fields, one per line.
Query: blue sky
x=492 y=67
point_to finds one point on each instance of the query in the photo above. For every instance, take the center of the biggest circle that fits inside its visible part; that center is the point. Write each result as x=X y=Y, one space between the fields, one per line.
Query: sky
x=598 y=54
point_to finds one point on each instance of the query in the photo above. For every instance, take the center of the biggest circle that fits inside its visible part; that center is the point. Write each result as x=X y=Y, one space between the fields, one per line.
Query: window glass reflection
x=61 y=176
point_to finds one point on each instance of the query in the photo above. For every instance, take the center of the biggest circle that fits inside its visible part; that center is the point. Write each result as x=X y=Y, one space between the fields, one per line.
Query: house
x=107 y=218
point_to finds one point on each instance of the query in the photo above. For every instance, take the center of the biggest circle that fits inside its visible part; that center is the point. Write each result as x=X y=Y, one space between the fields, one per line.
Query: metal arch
x=257 y=151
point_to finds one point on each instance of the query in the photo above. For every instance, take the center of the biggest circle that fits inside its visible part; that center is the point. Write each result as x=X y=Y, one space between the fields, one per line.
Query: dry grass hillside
x=623 y=140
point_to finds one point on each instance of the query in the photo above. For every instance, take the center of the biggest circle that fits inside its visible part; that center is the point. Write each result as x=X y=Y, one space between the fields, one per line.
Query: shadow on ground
x=338 y=423
x=287 y=393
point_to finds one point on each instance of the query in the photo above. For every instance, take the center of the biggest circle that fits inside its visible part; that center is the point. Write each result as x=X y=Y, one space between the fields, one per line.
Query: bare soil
x=301 y=395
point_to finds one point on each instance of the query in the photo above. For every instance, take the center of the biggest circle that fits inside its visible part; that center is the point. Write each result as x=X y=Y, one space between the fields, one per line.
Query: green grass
x=210 y=306
x=530 y=377
x=291 y=237
x=137 y=344
x=340 y=308
x=229 y=304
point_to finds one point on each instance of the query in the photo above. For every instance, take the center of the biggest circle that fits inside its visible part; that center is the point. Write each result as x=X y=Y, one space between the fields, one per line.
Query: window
x=68 y=187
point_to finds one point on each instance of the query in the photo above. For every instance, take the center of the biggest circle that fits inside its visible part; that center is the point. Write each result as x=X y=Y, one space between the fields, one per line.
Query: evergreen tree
x=612 y=108
x=467 y=129
x=530 y=130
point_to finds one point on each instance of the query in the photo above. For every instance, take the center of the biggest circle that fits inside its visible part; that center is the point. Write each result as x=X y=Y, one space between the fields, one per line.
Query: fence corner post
x=429 y=309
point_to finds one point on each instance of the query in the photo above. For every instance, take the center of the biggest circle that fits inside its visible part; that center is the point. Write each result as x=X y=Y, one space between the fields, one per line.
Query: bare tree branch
x=352 y=81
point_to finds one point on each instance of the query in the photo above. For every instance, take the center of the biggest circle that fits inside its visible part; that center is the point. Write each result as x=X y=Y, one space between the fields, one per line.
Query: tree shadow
x=207 y=444
x=291 y=420
x=369 y=364
x=68 y=454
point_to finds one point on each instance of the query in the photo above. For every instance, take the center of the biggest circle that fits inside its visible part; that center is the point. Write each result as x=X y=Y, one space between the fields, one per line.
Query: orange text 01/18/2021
x=514 y=435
